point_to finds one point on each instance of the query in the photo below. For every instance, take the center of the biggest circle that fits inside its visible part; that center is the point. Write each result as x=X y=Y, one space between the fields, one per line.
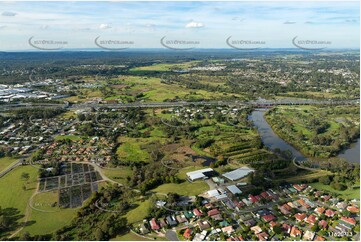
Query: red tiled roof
x=213 y=212
x=154 y=224
x=311 y=219
x=238 y=204
x=297 y=187
x=187 y=234
x=265 y=195
x=273 y=223
x=330 y=213
x=286 y=227
x=258 y=197
x=300 y=216
x=295 y=232
x=262 y=236
x=253 y=198
x=287 y=207
x=197 y=212
x=303 y=203
x=326 y=197
x=319 y=238
x=353 y=209
x=351 y=221
x=320 y=210
x=268 y=217
x=323 y=223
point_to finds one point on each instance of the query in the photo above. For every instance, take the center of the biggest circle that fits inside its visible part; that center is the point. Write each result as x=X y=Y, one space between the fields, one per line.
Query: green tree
x=25 y=176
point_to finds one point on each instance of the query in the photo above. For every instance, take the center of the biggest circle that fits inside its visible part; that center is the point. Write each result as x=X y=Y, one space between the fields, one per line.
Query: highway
x=253 y=104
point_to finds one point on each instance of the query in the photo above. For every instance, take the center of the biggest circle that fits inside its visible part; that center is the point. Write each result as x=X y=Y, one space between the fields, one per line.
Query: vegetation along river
x=273 y=141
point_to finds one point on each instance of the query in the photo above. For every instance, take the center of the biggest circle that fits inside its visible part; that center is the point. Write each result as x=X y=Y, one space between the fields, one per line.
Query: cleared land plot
x=350 y=193
x=185 y=188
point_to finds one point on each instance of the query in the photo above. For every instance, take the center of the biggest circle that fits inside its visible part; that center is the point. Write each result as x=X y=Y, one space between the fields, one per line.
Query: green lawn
x=11 y=187
x=118 y=174
x=186 y=188
x=139 y=213
x=347 y=194
x=164 y=67
x=5 y=162
x=132 y=152
x=50 y=222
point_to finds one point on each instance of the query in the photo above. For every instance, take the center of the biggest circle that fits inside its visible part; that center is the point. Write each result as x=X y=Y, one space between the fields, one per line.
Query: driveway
x=171 y=235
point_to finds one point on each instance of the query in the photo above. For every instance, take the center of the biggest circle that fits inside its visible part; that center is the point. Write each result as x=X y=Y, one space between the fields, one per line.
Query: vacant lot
x=349 y=193
x=186 y=188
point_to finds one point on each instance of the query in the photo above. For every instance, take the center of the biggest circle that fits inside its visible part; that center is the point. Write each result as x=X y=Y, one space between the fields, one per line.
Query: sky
x=120 y=25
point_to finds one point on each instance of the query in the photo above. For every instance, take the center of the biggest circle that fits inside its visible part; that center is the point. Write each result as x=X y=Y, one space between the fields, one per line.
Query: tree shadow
x=10 y=221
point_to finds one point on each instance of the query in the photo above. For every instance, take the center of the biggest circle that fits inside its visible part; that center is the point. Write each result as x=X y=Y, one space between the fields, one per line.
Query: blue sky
x=209 y=23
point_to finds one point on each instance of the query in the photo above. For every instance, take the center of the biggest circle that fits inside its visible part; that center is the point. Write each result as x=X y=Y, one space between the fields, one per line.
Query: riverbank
x=271 y=139
x=293 y=127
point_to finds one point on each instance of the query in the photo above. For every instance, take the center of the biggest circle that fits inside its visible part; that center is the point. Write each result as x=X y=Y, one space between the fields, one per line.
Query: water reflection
x=272 y=141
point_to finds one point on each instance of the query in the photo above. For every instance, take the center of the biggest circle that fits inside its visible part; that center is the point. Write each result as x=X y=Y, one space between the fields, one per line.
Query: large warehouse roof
x=234 y=189
x=199 y=174
x=238 y=174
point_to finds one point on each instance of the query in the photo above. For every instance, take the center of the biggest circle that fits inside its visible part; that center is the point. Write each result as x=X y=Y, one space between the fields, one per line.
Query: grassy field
x=67 y=115
x=11 y=186
x=5 y=162
x=346 y=194
x=49 y=222
x=154 y=90
x=186 y=188
x=308 y=176
x=311 y=95
x=119 y=174
x=139 y=213
x=164 y=67
x=132 y=152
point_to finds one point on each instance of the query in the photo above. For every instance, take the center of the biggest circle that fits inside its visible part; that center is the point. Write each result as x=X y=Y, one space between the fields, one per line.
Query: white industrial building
x=199 y=174
x=238 y=174
x=234 y=189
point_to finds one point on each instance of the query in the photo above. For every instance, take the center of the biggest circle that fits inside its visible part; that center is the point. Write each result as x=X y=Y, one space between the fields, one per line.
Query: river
x=273 y=141
x=352 y=154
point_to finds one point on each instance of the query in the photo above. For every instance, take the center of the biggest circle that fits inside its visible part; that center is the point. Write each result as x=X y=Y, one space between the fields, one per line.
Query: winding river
x=273 y=141
x=352 y=154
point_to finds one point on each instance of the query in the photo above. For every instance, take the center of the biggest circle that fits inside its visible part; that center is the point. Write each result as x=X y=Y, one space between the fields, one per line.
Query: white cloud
x=194 y=25
x=149 y=25
x=104 y=26
x=289 y=22
x=8 y=14
x=44 y=27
